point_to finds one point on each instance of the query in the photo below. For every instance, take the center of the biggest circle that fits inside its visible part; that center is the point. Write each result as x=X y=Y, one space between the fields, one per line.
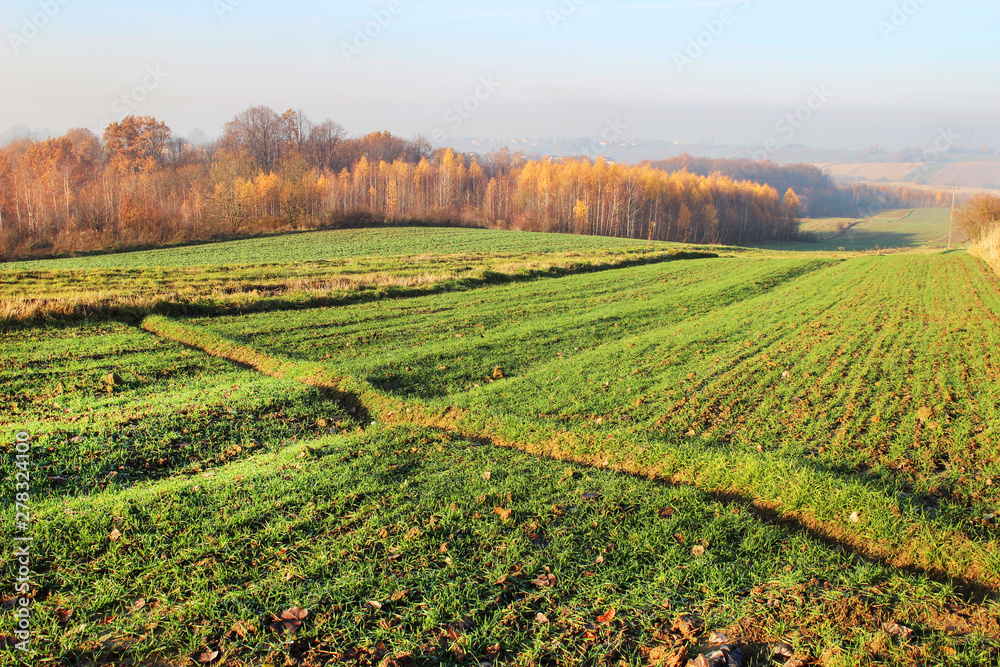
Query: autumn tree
x=137 y=143
x=792 y=203
x=323 y=148
x=258 y=133
x=979 y=217
x=272 y=172
x=296 y=127
x=87 y=147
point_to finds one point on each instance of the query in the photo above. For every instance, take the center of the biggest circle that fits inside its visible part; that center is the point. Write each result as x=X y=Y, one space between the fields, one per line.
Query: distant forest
x=138 y=185
x=821 y=196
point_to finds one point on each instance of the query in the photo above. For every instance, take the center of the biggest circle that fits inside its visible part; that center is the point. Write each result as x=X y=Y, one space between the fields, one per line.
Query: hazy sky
x=888 y=72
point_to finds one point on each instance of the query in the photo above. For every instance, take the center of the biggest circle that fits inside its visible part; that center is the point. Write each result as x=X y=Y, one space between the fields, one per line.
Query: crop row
x=855 y=395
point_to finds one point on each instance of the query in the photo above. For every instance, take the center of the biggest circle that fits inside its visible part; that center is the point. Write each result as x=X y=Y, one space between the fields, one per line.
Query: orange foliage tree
x=270 y=171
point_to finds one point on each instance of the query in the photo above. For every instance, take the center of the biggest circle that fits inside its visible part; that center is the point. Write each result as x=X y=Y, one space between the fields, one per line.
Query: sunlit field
x=905 y=228
x=607 y=452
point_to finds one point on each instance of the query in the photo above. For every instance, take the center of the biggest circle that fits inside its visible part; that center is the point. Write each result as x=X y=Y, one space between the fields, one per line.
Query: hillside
x=907 y=228
x=588 y=458
x=972 y=175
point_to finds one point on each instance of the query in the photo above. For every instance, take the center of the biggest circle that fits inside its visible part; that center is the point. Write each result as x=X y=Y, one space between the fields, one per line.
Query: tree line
x=138 y=185
x=821 y=196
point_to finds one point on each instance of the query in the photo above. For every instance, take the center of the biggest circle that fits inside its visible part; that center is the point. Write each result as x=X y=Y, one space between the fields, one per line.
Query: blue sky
x=896 y=70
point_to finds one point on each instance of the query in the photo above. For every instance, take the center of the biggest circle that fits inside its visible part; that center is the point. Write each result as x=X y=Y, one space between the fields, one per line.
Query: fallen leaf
x=900 y=632
x=399 y=595
x=487 y=475
x=242 y=629
x=688 y=627
x=545 y=581
x=295 y=613
x=855 y=517
x=207 y=656
x=63 y=615
x=541 y=618
x=114 y=536
x=290 y=621
x=608 y=617
x=139 y=604
x=599 y=560
x=925 y=413
x=374 y=604
x=719 y=638
x=502 y=513
x=497 y=373
x=501 y=581
x=698 y=551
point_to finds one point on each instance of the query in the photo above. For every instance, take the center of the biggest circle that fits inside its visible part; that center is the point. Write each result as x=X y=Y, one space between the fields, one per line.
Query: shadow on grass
x=148 y=435
x=969 y=587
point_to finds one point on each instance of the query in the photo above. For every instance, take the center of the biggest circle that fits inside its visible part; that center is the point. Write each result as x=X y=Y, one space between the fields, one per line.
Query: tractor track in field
x=916 y=558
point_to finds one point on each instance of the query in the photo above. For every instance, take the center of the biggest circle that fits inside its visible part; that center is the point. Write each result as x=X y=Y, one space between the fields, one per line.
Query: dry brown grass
x=79 y=305
x=988 y=249
x=40 y=296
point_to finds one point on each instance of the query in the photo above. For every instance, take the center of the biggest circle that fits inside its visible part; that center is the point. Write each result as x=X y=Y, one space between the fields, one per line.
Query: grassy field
x=696 y=368
x=302 y=271
x=336 y=245
x=890 y=230
x=624 y=461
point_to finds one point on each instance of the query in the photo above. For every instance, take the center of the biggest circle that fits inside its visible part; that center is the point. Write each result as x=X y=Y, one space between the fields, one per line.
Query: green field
x=599 y=455
x=907 y=228
x=334 y=245
x=302 y=271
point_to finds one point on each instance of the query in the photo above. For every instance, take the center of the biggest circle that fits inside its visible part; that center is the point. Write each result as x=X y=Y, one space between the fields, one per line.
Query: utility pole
x=951 y=228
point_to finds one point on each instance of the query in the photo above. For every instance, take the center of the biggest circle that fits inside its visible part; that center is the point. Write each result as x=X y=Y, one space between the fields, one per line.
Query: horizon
x=697 y=73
